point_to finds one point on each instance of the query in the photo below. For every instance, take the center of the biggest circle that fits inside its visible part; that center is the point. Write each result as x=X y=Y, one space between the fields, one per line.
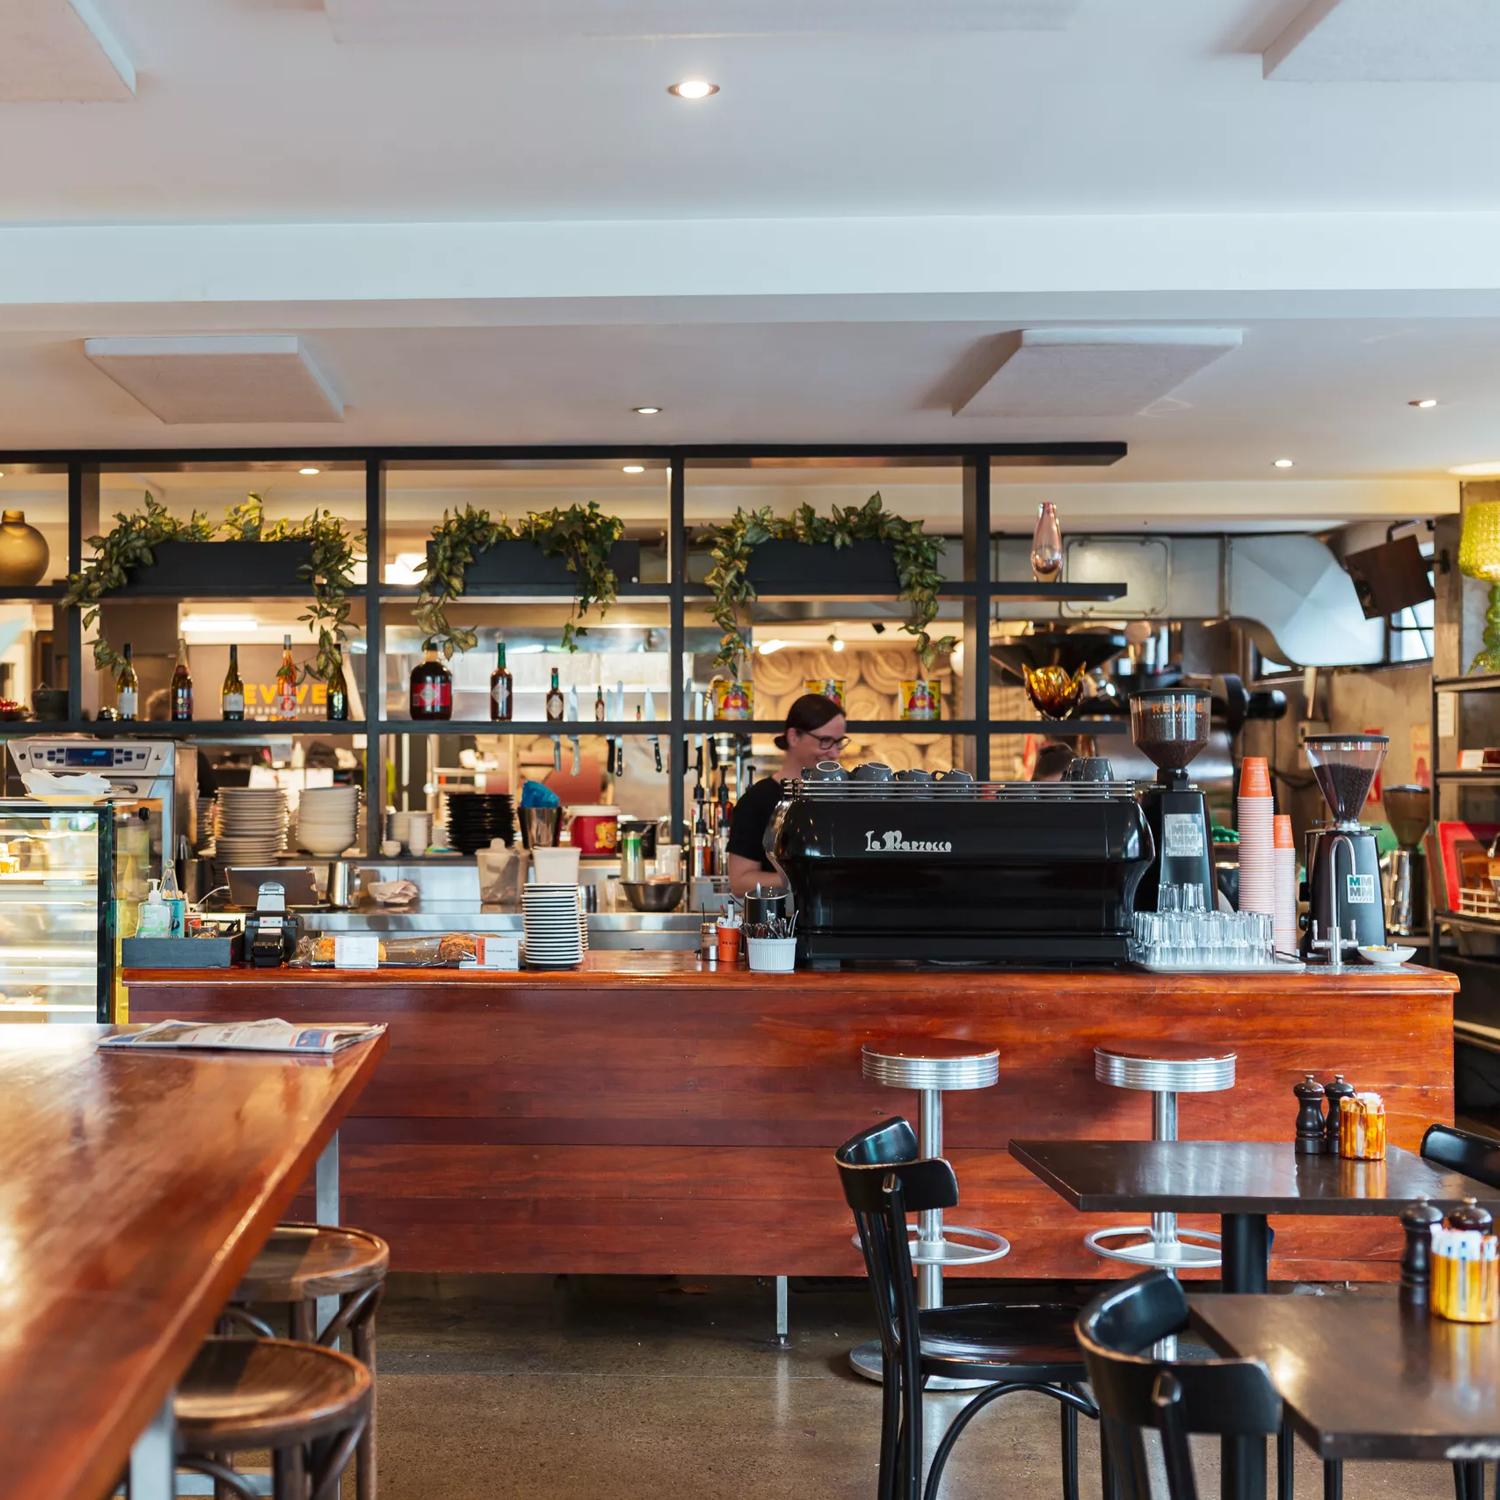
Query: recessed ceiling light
x=646 y=411
x=310 y=469
x=635 y=468
x=1425 y=403
x=1281 y=463
x=1489 y=468
x=694 y=88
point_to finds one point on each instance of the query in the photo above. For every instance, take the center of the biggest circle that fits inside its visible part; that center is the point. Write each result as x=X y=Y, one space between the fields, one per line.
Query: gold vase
x=24 y=553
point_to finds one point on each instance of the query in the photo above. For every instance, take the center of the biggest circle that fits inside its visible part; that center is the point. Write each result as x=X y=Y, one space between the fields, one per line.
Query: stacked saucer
x=474 y=818
x=252 y=825
x=326 y=819
x=553 y=921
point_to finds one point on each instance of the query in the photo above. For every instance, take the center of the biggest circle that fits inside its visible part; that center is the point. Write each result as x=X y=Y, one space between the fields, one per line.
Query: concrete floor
x=626 y=1388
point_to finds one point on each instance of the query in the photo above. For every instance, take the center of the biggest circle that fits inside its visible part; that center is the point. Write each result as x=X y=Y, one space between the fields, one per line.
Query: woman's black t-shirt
x=752 y=815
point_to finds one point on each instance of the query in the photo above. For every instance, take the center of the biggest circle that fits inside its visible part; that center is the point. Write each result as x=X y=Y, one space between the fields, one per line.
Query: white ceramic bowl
x=1389 y=957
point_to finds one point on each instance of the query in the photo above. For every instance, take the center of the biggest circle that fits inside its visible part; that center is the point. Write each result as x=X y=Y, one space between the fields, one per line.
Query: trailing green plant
x=581 y=535
x=915 y=553
x=131 y=543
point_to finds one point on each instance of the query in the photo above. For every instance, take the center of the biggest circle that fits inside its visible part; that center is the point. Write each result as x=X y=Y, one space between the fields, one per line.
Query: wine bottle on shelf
x=338 y=692
x=431 y=686
x=554 y=701
x=502 y=689
x=286 y=682
x=232 y=697
x=600 y=712
x=182 y=686
x=127 y=688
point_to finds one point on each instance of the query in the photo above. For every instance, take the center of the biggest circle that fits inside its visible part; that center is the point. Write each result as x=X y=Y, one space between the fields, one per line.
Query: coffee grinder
x=1344 y=906
x=1408 y=809
x=1170 y=726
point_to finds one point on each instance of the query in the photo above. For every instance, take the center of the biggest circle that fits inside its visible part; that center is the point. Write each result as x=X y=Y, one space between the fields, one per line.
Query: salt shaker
x=1418 y=1220
x=1311 y=1138
x=1337 y=1092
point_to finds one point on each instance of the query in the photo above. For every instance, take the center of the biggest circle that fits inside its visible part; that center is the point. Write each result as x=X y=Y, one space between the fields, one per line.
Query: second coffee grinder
x=1344 y=903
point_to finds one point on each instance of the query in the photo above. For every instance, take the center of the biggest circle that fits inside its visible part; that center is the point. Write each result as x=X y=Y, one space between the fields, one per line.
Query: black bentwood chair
x=1135 y=1390
x=1023 y=1348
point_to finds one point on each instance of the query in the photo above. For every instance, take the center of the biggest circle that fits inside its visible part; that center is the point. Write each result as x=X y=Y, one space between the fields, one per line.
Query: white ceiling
x=251 y=110
x=502 y=229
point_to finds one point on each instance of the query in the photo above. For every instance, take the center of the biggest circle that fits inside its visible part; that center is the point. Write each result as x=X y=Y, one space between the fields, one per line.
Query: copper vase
x=24 y=553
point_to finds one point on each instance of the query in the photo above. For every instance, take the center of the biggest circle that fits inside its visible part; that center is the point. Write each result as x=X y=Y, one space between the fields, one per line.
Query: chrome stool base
x=951 y=1250
x=1190 y=1250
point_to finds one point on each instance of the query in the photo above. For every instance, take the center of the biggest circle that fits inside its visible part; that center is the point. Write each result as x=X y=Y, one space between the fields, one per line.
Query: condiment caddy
x=1451 y=1266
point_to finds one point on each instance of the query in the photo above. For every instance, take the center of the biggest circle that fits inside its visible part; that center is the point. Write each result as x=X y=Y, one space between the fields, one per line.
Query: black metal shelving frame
x=977 y=589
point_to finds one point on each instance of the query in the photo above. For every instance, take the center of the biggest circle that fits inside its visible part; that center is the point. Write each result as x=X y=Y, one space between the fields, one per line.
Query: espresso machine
x=1344 y=905
x=1170 y=726
x=1408 y=809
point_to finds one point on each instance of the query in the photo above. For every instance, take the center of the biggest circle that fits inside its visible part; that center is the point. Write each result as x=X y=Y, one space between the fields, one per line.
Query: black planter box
x=524 y=564
x=245 y=568
x=860 y=571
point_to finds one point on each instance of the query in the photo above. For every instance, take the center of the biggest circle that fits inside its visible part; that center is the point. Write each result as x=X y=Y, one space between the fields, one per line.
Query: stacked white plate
x=326 y=819
x=252 y=825
x=552 y=918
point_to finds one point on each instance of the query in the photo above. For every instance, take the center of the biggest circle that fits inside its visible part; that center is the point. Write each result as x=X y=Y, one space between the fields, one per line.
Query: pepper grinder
x=1418 y=1220
x=1311 y=1140
x=1469 y=1215
x=1337 y=1092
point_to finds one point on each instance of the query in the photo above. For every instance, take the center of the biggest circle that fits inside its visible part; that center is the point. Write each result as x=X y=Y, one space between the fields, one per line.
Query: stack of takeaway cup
x=1286 y=886
x=1255 y=812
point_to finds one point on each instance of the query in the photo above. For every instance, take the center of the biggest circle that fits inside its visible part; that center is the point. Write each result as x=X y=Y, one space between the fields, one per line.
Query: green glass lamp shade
x=1479 y=557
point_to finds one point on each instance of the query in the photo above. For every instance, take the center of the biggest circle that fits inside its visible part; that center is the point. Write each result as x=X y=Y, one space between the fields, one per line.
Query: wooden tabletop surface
x=630 y=969
x=1364 y=1378
x=1244 y=1177
x=134 y=1191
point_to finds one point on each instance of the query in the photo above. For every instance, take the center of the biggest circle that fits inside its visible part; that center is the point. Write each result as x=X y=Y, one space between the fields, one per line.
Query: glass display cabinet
x=57 y=922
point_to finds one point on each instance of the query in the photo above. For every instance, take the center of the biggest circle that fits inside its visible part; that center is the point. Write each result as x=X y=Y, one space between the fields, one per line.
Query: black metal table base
x=1247 y=1258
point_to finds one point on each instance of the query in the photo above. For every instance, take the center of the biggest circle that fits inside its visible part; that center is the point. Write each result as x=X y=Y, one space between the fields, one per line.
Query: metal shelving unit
x=678 y=591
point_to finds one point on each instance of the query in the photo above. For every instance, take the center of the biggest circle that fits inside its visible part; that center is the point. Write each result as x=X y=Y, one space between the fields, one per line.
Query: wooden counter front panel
x=684 y=1126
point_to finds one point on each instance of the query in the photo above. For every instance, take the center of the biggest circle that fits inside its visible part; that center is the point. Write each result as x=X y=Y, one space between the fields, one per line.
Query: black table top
x=1237 y=1177
x=1363 y=1377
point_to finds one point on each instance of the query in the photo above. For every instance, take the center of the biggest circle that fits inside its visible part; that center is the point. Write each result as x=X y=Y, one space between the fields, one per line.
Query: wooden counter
x=651 y=1114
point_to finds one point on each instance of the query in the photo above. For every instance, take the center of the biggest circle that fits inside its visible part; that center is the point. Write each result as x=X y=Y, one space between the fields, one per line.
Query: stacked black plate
x=474 y=818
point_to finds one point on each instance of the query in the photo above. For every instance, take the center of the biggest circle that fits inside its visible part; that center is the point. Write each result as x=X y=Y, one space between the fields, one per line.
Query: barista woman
x=814 y=731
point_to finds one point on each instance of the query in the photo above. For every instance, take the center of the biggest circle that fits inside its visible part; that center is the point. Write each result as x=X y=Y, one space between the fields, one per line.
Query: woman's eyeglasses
x=828 y=743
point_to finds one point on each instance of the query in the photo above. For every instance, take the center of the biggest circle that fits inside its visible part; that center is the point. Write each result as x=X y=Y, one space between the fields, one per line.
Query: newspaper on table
x=243 y=1036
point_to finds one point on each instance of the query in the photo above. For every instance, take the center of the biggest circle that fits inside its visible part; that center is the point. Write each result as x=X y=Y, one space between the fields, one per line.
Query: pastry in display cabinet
x=57 y=918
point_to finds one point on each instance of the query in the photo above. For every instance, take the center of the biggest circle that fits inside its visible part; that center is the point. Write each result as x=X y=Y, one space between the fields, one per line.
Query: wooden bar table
x=135 y=1189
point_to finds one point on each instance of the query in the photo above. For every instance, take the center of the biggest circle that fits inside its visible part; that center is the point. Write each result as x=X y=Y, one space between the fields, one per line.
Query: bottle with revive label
x=286 y=682
x=232 y=699
x=554 y=701
x=431 y=686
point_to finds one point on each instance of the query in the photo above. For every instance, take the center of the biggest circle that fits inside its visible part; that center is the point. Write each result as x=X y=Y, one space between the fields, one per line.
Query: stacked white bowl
x=252 y=825
x=326 y=819
x=551 y=916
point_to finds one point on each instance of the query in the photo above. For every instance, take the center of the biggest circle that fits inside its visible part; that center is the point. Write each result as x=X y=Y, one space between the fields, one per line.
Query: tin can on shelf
x=826 y=687
x=733 y=698
x=921 y=699
x=1362 y=1127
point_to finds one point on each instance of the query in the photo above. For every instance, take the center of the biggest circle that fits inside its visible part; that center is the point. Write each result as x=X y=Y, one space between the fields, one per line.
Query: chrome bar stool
x=1164 y=1070
x=932 y=1066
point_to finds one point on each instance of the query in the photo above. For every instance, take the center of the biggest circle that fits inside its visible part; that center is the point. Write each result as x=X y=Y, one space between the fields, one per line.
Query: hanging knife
x=617 y=713
x=655 y=738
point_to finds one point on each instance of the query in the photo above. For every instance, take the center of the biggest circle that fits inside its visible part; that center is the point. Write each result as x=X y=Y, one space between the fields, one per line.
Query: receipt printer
x=270 y=930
